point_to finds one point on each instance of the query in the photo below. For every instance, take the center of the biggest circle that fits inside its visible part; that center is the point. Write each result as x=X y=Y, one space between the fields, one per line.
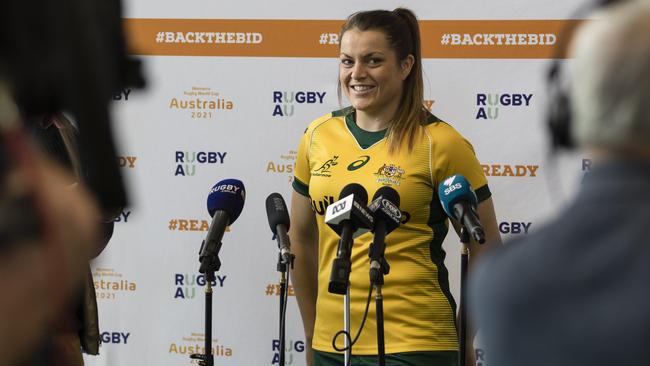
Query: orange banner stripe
x=487 y=39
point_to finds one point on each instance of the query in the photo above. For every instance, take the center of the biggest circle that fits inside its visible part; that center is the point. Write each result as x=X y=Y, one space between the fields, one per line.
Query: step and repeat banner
x=231 y=89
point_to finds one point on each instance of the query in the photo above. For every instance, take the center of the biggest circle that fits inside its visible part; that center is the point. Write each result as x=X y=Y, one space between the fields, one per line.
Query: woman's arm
x=488 y=219
x=304 y=245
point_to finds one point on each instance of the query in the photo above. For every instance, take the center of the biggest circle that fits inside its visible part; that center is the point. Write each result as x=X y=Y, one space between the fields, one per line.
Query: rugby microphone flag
x=225 y=203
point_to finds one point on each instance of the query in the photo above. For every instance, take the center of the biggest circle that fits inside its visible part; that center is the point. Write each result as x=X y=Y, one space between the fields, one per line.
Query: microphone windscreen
x=227 y=195
x=453 y=190
x=360 y=194
x=276 y=211
x=388 y=193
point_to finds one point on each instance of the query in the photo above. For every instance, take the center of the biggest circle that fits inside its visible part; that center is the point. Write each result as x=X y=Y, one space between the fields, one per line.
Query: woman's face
x=369 y=72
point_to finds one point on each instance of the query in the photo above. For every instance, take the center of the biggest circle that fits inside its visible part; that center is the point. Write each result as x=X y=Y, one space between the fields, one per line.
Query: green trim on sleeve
x=438 y=224
x=483 y=193
x=300 y=187
x=431 y=119
x=343 y=112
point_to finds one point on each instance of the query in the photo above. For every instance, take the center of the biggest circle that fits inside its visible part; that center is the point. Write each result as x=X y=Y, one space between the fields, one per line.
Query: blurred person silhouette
x=71 y=56
x=576 y=291
x=56 y=136
x=48 y=230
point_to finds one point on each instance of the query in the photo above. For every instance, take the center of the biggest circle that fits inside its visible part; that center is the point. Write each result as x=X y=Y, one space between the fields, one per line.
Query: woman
x=386 y=137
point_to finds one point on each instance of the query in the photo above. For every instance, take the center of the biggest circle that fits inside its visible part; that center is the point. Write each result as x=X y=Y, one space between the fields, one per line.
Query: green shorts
x=433 y=358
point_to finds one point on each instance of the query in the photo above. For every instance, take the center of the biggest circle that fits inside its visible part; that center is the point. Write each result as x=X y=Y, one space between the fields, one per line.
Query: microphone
x=350 y=211
x=387 y=215
x=459 y=202
x=225 y=203
x=278 y=215
x=349 y=218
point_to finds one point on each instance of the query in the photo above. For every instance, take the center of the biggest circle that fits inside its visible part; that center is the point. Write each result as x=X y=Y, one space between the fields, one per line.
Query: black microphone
x=348 y=217
x=387 y=215
x=225 y=203
x=278 y=215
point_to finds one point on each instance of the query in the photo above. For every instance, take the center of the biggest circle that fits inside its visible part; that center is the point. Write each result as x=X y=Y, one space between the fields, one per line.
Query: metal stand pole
x=464 y=254
x=379 y=309
x=210 y=263
x=378 y=268
x=346 y=326
x=282 y=327
x=283 y=268
x=209 y=357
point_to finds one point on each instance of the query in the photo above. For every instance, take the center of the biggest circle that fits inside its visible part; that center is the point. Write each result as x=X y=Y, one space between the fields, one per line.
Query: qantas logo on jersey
x=324 y=170
x=390 y=174
x=321 y=206
x=359 y=163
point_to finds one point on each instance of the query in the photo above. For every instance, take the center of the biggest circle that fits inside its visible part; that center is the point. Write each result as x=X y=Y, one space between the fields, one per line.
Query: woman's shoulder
x=334 y=116
x=439 y=130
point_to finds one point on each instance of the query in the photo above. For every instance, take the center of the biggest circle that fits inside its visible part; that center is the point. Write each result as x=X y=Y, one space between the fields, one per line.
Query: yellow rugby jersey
x=419 y=311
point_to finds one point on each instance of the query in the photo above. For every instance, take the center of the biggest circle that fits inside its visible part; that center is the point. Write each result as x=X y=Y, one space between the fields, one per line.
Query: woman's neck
x=371 y=122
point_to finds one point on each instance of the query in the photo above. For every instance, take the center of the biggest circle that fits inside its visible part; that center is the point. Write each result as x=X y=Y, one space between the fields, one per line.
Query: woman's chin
x=360 y=105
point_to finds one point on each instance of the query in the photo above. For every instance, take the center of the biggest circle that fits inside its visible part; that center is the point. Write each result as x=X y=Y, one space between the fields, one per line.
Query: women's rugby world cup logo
x=390 y=174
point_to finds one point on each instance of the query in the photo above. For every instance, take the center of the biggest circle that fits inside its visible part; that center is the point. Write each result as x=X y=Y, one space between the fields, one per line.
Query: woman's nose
x=358 y=71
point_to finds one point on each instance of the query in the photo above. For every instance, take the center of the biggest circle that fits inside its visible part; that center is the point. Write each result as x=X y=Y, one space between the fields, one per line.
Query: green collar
x=364 y=138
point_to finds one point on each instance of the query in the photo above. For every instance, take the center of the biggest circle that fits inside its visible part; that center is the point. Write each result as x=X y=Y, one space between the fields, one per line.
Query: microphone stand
x=379 y=268
x=283 y=268
x=210 y=263
x=346 y=326
x=464 y=254
x=340 y=276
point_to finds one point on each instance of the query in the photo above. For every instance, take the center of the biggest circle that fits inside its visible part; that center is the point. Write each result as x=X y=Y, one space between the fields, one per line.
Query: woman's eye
x=374 y=61
x=346 y=62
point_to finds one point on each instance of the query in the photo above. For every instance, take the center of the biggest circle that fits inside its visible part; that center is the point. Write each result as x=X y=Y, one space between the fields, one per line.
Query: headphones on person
x=559 y=112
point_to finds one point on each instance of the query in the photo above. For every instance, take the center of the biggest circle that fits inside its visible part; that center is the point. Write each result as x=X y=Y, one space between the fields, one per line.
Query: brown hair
x=403 y=34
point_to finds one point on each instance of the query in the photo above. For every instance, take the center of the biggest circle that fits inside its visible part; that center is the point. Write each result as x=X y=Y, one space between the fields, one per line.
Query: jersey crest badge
x=390 y=174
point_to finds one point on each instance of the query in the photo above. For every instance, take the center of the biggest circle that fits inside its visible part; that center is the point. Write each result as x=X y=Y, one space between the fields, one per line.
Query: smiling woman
x=381 y=72
x=385 y=137
x=371 y=77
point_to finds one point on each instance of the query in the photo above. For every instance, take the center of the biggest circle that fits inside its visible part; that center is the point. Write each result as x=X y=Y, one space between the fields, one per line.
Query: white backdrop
x=149 y=292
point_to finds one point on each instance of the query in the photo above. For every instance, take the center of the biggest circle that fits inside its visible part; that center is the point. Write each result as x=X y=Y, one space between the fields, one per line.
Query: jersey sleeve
x=452 y=154
x=302 y=172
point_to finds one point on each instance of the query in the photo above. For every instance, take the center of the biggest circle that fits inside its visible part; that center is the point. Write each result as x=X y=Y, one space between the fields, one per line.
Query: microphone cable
x=352 y=342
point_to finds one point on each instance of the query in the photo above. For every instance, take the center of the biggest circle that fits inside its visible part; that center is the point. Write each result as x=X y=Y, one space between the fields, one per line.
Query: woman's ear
x=407 y=65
